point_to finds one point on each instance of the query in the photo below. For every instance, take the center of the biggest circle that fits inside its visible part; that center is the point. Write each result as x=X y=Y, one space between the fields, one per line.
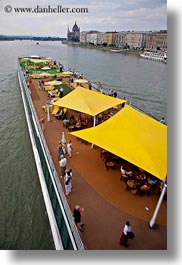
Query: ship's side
x=64 y=231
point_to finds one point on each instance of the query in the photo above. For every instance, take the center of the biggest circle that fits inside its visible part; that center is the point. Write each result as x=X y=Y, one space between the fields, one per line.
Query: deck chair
x=48 y=87
x=55 y=110
x=57 y=94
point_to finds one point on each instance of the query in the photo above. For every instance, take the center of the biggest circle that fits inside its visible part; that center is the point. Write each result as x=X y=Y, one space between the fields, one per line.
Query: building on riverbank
x=156 y=40
x=149 y=40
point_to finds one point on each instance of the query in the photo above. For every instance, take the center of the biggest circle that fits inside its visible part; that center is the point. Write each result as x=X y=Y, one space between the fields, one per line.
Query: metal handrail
x=67 y=215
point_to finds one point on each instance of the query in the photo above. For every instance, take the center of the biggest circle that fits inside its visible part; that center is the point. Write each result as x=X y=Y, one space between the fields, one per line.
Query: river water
x=23 y=219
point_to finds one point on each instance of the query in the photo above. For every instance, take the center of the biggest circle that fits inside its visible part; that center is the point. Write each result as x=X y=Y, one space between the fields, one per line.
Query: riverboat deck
x=100 y=192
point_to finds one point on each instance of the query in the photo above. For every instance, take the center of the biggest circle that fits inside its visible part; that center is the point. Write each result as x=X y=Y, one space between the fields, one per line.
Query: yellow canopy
x=88 y=101
x=134 y=136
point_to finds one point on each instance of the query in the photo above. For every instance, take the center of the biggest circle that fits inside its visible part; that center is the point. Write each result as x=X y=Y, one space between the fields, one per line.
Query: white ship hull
x=162 y=57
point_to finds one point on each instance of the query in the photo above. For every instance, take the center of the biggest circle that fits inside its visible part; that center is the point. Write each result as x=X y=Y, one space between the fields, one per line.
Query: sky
x=101 y=15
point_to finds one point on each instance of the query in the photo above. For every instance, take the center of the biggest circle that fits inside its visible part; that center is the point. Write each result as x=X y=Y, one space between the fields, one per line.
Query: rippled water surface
x=23 y=219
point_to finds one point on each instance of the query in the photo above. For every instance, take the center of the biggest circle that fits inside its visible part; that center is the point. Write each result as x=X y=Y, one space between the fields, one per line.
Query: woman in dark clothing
x=124 y=237
x=60 y=151
x=77 y=214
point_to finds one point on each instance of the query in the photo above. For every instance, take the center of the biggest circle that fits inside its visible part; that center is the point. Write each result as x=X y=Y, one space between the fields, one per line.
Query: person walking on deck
x=42 y=122
x=61 y=92
x=62 y=163
x=69 y=148
x=163 y=121
x=89 y=85
x=67 y=180
x=60 y=151
x=124 y=236
x=77 y=214
x=70 y=173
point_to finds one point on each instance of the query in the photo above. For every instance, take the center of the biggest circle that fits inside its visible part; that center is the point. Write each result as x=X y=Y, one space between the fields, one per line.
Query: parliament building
x=74 y=35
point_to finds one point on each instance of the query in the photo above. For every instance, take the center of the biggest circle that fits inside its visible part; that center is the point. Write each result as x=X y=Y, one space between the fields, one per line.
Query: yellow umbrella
x=44 y=74
x=53 y=83
x=39 y=61
x=46 y=68
x=81 y=81
x=67 y=73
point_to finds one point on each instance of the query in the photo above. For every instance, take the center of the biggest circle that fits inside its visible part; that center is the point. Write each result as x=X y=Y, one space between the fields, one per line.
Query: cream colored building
x=135 y=39
x=157 y=41
x=92 y=38
x=120 y=39
x=100 y=38
x=109 y=37
x=83 y=37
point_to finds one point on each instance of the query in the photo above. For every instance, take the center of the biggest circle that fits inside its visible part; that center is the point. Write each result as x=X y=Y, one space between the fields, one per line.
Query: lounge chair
x=48 y=88
x=55 y=110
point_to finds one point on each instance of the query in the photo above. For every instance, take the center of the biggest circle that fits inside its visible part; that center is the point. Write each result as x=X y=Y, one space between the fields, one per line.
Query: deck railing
x=64 y=230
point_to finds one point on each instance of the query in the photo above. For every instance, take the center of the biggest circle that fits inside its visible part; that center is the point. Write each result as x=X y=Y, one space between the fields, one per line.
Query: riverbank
x=102 y=48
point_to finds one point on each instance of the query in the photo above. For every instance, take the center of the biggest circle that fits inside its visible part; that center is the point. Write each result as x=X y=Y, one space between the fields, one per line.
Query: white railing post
x=152 y=221
x=94 y=126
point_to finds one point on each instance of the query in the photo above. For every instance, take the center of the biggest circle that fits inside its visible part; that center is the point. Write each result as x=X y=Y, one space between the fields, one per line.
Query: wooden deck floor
x=101 y=193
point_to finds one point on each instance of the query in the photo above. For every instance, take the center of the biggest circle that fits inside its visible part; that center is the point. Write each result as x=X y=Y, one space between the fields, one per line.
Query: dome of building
x=74 y=35
x=75 y=27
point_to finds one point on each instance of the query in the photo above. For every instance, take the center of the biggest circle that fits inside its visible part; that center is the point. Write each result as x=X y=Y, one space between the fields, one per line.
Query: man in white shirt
x=61 y=91
x=62 y=163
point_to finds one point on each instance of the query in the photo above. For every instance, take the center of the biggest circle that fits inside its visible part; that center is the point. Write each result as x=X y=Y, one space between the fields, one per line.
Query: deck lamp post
x=48 y=113
x=94 y=126
x=152 y=221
